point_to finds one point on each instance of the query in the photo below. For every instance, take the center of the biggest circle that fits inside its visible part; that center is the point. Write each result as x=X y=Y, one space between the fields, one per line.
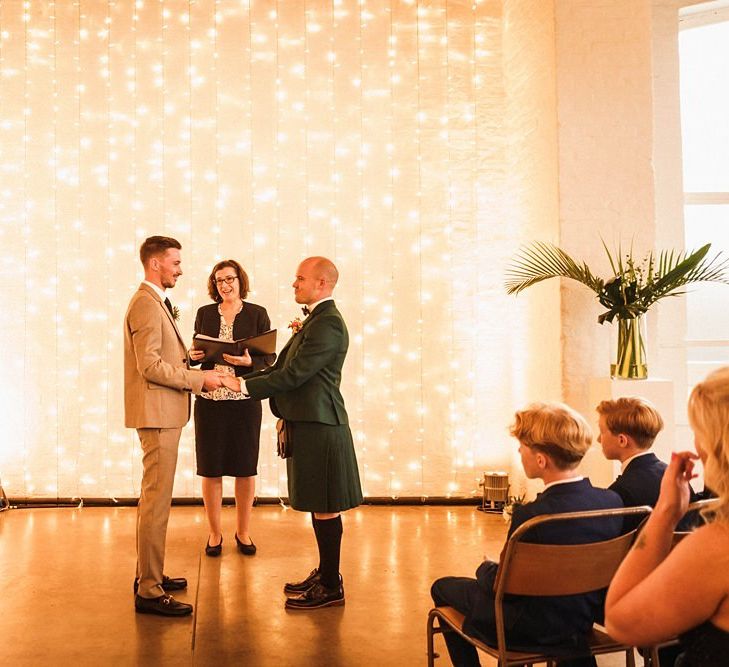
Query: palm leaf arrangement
x=634 y=286
x=631 y=290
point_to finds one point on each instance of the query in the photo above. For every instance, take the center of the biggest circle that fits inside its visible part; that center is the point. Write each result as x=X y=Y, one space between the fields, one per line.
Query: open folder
x=214 y=348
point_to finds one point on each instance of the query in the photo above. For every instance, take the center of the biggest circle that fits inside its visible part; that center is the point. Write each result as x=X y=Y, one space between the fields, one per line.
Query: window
x=704 y=69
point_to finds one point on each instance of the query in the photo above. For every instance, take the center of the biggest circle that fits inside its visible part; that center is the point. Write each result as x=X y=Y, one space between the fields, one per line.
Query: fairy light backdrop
x=375 y=132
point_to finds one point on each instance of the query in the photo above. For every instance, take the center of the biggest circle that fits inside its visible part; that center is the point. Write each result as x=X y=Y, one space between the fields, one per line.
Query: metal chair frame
x=538 y=570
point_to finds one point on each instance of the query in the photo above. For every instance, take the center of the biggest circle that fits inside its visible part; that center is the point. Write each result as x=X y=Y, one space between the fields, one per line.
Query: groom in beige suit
x=157 y=386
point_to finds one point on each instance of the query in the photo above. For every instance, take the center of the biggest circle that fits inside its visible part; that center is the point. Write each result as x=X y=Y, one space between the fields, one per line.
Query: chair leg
x=630 y=657
x=431 y=648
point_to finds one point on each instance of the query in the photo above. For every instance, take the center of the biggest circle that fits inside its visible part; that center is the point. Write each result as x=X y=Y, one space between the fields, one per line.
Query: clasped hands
x=213 y=380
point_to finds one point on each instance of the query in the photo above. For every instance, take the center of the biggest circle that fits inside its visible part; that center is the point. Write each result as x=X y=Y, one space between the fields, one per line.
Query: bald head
x=316 y=278
x=324 y=268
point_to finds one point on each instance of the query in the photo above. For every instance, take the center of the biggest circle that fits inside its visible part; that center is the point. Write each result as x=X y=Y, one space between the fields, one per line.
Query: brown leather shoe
x=164 y=605
x=316 y=597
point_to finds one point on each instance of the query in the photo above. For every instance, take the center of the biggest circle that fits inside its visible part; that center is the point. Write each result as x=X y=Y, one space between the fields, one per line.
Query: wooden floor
x=66 y=577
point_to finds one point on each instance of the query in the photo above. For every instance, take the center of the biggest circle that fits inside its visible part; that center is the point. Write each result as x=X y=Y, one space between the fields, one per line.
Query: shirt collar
x=162 y=294
x=625 y=463
x=316 y=303
x=564 y=481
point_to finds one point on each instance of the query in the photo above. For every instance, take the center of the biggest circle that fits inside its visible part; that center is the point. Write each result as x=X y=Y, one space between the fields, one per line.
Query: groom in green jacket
x=303 y=388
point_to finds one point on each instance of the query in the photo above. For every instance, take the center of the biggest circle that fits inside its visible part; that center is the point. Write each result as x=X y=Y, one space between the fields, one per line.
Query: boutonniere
x=175 y=313
x=295 y=325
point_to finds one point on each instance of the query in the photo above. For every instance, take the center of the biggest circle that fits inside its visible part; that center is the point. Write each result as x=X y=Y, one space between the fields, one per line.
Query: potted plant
x=628 y=293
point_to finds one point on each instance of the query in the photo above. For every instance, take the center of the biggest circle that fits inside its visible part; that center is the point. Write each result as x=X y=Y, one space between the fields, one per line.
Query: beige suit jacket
x=157 y=376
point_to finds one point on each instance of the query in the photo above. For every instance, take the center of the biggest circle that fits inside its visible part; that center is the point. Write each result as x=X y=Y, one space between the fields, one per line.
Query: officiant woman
x=227 y=426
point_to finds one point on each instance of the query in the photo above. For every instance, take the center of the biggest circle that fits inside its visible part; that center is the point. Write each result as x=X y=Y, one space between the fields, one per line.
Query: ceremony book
x=214 y=348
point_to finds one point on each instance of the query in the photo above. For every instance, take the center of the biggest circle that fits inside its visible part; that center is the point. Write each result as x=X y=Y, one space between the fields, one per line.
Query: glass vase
x=629 y=361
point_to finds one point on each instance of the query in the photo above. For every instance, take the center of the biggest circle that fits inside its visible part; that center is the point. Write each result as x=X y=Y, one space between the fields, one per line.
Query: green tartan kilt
x=322 y=471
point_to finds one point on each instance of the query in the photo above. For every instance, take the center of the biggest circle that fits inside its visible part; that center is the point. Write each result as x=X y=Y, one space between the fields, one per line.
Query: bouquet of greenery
x=631 y=290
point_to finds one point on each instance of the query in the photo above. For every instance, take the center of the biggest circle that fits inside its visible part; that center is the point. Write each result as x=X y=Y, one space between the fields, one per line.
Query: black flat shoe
x=245 y=549
x=164 y=605
x=168 y=584
x=316 y=597
x=216 y=550
x=299 y=587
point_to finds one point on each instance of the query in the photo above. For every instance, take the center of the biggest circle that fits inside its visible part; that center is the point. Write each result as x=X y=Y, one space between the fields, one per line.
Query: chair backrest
x=697 y=506
x=706 y=503
x=559 y=569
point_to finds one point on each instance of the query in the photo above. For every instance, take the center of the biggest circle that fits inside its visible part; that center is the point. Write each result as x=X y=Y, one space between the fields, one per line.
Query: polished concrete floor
x=66 y=577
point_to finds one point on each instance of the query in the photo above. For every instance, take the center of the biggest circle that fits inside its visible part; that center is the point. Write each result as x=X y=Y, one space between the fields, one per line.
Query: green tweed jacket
x=303 y=384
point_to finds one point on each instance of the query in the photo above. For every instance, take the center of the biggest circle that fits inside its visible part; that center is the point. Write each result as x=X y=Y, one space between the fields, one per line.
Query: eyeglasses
x=228 y=280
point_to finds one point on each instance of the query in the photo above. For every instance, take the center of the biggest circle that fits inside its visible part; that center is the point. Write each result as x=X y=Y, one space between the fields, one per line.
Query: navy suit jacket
x=640 y=484
x=565 y=620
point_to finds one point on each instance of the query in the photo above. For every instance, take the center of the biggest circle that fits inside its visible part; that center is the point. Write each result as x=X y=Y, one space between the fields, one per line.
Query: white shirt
x=316 y=303
x=564 y=481
x=624 y=464
x=162 y=293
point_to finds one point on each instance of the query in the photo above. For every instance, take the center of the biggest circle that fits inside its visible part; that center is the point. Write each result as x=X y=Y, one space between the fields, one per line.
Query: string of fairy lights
x=264 y=131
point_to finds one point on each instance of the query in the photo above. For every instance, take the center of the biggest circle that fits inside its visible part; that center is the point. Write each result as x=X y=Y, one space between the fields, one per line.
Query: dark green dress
x=303 y=388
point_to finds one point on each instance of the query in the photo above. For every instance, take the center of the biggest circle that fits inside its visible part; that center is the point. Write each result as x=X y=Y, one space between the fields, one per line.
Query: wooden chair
x=547 y=570
x=652 y=657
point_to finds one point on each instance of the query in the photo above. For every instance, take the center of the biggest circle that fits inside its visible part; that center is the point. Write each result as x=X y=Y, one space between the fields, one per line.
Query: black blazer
x=251 y=320
x=564 y=620
x=640 y=484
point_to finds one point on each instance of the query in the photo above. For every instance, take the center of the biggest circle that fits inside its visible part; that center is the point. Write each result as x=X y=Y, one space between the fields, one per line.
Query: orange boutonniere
x=295 y=325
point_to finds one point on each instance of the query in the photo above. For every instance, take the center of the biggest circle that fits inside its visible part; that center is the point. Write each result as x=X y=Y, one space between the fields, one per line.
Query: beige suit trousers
x=159 y=447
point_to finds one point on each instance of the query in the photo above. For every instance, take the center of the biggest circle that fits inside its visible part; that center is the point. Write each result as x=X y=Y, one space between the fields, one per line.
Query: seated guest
x=659 y=593
x=553 y=438
x=628 y=427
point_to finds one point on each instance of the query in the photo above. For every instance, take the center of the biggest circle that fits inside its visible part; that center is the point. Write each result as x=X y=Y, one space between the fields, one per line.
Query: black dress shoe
x=300 y=587
x=296 y=588
x=164 y=605
x=216 y=550
x=316 y=597
x=168 y=584
x=246 y=549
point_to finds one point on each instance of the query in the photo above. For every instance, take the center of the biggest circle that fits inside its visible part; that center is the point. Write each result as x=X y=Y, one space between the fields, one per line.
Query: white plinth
x=659 y=392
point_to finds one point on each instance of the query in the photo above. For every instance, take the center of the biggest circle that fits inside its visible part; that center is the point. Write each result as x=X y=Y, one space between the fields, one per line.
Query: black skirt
x=227 y=437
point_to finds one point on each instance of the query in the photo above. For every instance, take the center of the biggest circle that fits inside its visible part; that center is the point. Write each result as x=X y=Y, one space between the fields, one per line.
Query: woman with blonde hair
x=659 y=593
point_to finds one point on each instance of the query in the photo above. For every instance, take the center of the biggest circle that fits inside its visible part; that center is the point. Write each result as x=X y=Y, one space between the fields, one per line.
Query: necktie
x=168 y=303
x=305 y=310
